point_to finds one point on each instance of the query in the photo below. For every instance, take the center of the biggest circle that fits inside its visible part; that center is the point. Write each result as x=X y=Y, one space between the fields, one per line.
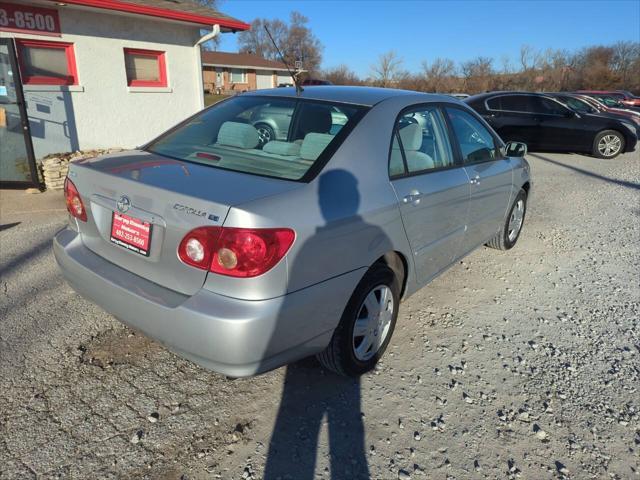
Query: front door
x=490 y=177
x=432 y=190
x=559 y=127
x=17 y=163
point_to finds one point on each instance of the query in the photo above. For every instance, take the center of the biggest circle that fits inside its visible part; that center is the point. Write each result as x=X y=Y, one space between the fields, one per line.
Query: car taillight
x=235 y=252
x=74 y=202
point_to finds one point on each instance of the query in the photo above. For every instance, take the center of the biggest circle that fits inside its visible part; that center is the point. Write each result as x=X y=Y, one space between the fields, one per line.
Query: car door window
x=420 y=142
x=546 y=106
x=476 y=142
x=510 y=103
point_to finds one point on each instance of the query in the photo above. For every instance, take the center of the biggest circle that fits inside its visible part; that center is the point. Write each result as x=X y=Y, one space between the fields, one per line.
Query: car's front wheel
x=508 y=235
x=366 y=325
x=608 y=144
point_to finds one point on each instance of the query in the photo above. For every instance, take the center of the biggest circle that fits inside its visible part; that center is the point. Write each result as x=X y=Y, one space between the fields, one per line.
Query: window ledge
x=149 y=89
x=53 y=88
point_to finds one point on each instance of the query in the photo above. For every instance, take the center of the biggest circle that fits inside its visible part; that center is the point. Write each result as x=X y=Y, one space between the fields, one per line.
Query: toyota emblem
x=123 y=204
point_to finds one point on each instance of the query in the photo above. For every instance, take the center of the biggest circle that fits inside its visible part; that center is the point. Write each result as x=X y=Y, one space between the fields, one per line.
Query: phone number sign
x=28 y=19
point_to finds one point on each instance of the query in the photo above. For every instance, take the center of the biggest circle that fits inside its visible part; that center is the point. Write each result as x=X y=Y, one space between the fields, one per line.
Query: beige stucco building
x=107 y=73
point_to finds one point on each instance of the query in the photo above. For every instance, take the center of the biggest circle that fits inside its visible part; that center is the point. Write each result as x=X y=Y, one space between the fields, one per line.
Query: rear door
x=511 y=117
x=490 y=177
x=432 y=189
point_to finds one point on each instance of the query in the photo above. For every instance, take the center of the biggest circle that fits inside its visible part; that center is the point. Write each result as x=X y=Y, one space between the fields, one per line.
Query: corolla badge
x=123 y=204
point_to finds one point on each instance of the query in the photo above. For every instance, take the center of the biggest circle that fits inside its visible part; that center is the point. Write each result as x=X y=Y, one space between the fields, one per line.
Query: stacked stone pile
x=55 y=167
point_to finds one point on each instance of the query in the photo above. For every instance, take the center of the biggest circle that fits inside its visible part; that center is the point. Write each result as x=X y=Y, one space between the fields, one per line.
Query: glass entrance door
x=17 y=163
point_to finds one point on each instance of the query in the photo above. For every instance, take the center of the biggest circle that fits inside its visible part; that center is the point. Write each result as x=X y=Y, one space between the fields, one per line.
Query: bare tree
x=256 y=41
x=341 y=75
x=438 y=74
x=302 y=45
x=295 y=40
x=215 y=42
x=478 y=74
x=626 y=61
x=385 y=73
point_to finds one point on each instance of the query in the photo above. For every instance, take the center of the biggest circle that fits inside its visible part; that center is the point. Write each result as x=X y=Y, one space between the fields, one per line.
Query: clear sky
x=355 y=32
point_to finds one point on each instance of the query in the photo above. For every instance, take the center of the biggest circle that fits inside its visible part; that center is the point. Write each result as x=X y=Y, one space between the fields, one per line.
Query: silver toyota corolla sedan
x=244 y=255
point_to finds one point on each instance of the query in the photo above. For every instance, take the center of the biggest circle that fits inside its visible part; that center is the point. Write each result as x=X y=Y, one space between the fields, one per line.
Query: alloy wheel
x=264 y=134
x=516 y=220
x=373 y=322
x=609 y=145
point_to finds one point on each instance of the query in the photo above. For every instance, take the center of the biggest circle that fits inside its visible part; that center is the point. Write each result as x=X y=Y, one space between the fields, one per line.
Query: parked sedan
x=614 y=102
x=624 y=97
x=616 y=108
x=590 y=106
x=273 y=120
x=545 y=124
x=244 y=257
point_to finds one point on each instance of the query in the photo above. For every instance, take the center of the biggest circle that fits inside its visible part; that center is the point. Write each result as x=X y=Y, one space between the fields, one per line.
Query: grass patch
x=210 y=98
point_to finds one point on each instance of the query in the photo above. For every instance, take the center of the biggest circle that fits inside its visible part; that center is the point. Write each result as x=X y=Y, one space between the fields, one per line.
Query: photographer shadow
x=313 y=397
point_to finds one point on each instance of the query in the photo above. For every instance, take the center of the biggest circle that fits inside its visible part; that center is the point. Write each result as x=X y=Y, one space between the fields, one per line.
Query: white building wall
x=102 y=111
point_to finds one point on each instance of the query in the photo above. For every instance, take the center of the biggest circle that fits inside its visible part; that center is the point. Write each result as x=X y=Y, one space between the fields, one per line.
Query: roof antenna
x=294 y=76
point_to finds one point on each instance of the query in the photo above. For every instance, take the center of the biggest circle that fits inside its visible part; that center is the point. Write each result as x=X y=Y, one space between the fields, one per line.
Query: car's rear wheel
x=508 y=235
x=265 y=132
x=608 y=144
x=366 y=325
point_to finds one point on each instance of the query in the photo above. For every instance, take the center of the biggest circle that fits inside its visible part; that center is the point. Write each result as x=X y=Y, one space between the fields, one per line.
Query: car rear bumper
x=232 y=336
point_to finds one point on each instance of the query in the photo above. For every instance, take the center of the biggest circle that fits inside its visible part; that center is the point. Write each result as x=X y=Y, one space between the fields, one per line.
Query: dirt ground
x=512 y=364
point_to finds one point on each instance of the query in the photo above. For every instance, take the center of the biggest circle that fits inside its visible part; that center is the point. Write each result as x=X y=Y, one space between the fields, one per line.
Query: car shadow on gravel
x=623 y=183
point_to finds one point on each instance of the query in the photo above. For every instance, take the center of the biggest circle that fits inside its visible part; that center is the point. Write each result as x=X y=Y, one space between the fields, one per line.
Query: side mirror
x=572 y=114
x=516 y=149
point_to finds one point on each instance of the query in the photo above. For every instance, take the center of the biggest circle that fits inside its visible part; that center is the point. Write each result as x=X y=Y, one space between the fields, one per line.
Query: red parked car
x=626 y=98
x=600 y=106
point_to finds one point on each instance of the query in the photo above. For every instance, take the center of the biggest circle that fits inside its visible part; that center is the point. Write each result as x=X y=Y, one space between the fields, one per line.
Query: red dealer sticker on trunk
x=131 y=233
x=29 y=19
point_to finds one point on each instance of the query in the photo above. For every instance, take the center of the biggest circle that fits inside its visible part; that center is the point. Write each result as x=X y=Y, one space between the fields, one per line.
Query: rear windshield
x=276 y=137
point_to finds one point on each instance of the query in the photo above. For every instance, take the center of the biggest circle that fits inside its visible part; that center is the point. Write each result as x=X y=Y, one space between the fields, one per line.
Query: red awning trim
x=159 y=12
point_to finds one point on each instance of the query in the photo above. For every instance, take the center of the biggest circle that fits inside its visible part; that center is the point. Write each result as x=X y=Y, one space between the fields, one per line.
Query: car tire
x=265 y=132
x=608 y=144
x=345 y=354
x=508 y=235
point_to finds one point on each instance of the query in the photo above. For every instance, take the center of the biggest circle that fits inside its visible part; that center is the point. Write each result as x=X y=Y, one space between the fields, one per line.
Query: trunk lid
x=172 y=196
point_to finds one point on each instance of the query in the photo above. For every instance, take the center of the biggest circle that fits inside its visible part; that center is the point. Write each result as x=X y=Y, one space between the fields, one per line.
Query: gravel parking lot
x=512 y=364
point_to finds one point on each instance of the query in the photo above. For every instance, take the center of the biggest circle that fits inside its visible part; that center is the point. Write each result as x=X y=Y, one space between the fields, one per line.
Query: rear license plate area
x=131 y=233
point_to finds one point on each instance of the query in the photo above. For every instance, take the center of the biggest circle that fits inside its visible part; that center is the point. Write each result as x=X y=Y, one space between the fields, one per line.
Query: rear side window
x=546 y=106
x=511 y=103
x=476 y=142
x=495 y=103
x=420 y=142
x=275 y=137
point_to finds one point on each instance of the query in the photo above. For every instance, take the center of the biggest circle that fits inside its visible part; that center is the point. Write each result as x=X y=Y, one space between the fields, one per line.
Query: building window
x=145 y=68
x=238 y=76
x=47 y=63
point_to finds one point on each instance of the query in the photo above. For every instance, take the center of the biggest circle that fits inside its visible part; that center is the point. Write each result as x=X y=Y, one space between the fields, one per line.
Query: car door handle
x=413 y=197
x=475 y=180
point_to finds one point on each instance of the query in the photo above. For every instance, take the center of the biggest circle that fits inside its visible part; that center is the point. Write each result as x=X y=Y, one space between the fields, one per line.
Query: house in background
x=91 y=74
x=225 y=72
